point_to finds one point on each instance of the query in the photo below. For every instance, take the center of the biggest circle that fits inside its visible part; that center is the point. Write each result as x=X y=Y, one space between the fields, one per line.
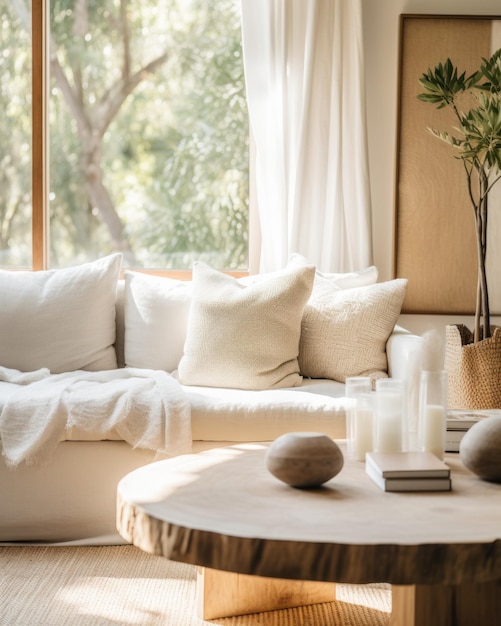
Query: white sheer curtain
x=304 y=72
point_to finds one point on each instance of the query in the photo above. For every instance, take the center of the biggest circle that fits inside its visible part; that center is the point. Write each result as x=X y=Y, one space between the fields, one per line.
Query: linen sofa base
x=72 y=499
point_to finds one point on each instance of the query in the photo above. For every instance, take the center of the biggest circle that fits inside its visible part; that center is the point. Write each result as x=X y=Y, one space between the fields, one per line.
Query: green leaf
x=442 y=84
x=478 y=139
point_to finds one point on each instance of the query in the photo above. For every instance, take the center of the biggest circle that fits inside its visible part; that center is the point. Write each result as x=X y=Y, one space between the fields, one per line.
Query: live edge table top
x=222 y=509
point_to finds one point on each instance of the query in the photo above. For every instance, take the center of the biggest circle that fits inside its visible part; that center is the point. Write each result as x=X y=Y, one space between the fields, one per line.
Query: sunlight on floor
x=142 y=603
x=359 y=594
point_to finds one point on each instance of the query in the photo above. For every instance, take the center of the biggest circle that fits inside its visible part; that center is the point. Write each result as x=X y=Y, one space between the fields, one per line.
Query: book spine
x=408 y=484
x=411 y=474
x=418 y=484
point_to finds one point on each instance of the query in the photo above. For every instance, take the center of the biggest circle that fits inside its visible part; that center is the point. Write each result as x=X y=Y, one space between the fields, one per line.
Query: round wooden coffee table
x=222 y=510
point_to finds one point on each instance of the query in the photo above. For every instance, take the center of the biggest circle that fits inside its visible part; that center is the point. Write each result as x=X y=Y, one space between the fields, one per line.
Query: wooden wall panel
x=434 y=230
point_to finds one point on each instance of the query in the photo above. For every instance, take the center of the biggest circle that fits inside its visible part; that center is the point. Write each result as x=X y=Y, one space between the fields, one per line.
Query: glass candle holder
x=359 y=420
x=433 y=412
x=390 y=428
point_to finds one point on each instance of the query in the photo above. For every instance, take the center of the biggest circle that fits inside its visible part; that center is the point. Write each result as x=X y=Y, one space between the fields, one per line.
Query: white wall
x=381 y=25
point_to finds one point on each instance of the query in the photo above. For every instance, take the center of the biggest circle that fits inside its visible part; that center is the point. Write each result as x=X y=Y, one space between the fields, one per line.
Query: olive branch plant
x=477 y=143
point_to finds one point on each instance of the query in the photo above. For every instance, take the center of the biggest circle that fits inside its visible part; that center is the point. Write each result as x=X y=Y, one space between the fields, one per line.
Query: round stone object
x=304 y=460
x=480 y=449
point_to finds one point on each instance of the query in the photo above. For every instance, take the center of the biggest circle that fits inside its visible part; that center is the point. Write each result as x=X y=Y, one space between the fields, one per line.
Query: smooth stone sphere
x=304 y=459
x=480 y=449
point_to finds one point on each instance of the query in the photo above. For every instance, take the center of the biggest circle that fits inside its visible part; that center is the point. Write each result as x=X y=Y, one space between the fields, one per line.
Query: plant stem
x=477 y=331
x=482 y=253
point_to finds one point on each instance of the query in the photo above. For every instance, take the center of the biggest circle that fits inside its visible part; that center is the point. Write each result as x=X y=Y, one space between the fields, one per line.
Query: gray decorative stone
x=480 y=449
x=304 y=459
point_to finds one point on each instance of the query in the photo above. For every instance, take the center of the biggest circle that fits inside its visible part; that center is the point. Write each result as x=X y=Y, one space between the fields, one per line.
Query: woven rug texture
x=122 y=586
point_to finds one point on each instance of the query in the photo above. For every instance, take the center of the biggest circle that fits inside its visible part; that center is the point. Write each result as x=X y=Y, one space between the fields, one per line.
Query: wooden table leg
x=225 y=594
x=461 y=605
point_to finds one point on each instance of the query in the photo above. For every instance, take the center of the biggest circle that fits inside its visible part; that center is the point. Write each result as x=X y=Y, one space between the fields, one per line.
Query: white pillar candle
x=434 y=425
x=390 y=415
x=358 y=391
x=363 y=433
x=389 y=433
x=432 y=412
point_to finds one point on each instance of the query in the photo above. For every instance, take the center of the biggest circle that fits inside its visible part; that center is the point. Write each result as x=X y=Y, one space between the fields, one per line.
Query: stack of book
x=458 y=424
x=408 y=471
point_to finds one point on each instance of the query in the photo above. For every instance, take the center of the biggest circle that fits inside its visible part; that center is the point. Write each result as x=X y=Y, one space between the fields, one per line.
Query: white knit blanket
x=147 y=408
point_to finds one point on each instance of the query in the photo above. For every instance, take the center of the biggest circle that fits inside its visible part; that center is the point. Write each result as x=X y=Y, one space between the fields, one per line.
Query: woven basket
x=473 y=369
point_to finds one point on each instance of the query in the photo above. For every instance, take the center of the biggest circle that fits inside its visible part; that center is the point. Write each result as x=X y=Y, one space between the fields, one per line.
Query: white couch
x=71 y=497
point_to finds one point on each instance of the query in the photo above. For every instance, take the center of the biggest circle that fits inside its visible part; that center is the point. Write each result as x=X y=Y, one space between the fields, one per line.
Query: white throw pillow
x=348 y=280
x=344 y=331
x=344 y=280
x=62 y=319
x=156 y=318
x=245 y=336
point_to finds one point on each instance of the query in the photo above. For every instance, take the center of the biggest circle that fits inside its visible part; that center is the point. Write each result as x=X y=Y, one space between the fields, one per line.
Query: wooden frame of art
x=435 y=244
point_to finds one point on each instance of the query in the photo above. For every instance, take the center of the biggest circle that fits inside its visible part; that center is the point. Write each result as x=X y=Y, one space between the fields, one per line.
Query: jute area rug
x=122 y=586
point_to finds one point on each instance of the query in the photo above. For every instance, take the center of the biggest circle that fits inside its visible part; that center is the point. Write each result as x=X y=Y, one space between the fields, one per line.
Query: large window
x=15 y=136
x=147 y=138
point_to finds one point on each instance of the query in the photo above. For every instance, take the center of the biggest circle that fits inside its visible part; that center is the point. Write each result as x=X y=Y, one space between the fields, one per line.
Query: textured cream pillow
x=156 y=318
x=62 y=319
x=245 y=336
x=344 y=331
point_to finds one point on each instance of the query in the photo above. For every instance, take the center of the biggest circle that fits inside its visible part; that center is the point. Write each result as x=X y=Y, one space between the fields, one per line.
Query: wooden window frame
x=40 y=226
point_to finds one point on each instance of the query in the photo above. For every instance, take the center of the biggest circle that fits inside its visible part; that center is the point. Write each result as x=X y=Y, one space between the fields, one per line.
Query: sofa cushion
x=156 y=317
x=344 y=331
x=245 y=336
x=62 y=319
x=227 y=415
